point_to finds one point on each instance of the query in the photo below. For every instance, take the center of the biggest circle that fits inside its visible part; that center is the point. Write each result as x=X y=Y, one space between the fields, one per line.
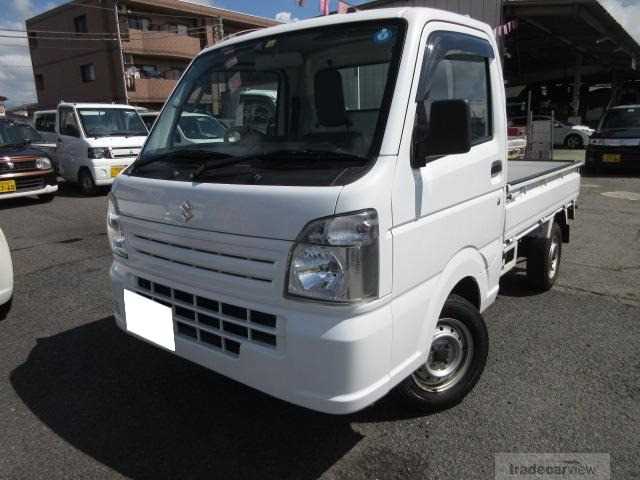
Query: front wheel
x=573 y=142
x=457 y=357
x=87 y=185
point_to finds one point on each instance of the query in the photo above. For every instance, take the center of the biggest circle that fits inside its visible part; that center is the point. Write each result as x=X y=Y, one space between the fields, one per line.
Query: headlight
x=43 y=163
x=114 y=231
x=335 y=259
x=99 y=152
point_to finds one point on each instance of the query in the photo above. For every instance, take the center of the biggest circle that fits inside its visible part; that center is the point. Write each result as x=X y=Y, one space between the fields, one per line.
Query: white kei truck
x=349 y=247
x=95 y=142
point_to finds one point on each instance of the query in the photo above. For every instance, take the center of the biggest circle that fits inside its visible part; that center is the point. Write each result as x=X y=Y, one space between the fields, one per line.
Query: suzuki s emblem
x=187 y=211
x=10 y=165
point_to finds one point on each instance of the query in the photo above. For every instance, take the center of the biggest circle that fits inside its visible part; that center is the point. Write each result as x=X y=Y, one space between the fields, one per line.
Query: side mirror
x=448 y=132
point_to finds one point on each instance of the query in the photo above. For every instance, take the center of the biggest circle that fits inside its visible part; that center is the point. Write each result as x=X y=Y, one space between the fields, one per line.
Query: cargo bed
x=537 y=190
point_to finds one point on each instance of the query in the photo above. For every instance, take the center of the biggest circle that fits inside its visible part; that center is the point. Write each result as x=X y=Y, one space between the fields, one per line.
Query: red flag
x=343 y=7
x=324 y=7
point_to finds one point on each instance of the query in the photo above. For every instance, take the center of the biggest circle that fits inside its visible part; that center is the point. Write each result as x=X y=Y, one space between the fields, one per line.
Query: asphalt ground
x=80 y=399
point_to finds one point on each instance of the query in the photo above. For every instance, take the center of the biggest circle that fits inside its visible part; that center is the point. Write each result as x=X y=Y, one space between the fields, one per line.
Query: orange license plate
x=115 y=171
x=611 y=158
x=7 y=186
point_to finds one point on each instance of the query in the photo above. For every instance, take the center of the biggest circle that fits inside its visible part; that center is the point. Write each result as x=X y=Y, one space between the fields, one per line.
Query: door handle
x=496 y=168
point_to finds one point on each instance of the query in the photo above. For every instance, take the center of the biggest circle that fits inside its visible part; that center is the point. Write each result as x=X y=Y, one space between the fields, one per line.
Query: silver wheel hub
x=554 y=257
x=449 y=357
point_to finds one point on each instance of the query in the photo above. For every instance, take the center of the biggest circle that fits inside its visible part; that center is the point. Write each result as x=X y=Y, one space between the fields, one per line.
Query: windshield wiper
x=180 y=155
x=314 y=155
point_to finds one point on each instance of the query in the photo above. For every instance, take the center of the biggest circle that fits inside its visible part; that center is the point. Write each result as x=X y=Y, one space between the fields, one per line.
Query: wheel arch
x=465 y=275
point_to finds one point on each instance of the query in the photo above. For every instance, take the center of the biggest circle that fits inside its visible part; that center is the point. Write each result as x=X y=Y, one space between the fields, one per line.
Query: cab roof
x=413 y=15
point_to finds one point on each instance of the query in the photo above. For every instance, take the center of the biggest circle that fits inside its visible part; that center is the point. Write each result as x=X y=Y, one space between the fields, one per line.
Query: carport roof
x=551 y=34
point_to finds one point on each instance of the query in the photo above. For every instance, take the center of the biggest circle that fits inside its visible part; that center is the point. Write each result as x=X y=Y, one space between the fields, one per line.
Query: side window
x=68 y=124
x=457 y=68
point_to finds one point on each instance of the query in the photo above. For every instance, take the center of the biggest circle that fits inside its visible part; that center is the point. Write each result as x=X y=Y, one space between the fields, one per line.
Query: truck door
x=69 y=143
x=452 y=205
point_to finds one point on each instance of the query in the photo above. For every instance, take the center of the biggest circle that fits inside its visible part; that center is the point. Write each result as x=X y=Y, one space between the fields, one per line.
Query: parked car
x=516 y=143
x=6 y=277
x=564 y=134
x=616 y=143
x=350 y=248
x=148 y=117
x=96 y=142
x=24 y=169
x=192 y=127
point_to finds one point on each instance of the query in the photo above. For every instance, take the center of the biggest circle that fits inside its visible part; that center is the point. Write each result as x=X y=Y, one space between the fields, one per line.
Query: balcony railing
x=161 y=43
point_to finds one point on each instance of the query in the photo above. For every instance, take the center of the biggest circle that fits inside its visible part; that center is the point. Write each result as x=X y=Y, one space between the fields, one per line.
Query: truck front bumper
x=336 y=367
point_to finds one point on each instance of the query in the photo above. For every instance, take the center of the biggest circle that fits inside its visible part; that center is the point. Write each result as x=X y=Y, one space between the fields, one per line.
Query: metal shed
x=489 y=11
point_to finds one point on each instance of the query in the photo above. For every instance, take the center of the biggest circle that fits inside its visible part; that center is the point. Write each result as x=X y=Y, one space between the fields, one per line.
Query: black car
x=24 y=169
x=616 y=143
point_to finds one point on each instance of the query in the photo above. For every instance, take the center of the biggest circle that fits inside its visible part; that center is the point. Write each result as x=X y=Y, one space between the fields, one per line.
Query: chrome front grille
x=126 y=152
x=204 y=260
x=212 y=323
x=29 y=183
x=21 y=166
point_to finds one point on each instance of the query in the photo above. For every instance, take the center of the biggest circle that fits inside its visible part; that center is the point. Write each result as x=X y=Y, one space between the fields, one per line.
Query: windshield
x=18 y=134
x=302 y=94
x=622 y=118
x=105 y=122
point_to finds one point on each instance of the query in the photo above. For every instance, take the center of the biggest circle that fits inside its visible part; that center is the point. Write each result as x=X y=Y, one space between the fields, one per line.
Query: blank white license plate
x=149 y=320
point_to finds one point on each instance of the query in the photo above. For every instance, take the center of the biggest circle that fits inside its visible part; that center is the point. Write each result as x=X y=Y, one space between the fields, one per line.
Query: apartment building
x=124 y=51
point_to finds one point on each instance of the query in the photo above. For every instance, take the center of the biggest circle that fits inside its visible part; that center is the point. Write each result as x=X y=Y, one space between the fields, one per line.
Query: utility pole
x=121 y=53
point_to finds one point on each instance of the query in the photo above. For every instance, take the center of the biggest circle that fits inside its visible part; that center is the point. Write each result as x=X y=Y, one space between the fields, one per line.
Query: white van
x=96 y=142
x=350 y=246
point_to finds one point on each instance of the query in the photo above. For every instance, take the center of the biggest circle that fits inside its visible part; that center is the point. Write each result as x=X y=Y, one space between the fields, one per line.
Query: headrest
x=330 y=107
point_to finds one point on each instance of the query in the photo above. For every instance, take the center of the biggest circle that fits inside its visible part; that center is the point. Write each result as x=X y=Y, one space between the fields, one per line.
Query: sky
x=16 y=75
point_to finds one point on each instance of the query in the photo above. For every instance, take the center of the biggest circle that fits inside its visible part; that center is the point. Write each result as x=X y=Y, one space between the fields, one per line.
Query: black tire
x=86 y=182
x=574 y=142
x=543 y=260
x=4 y=309
x=427 y=398
x=46 y=197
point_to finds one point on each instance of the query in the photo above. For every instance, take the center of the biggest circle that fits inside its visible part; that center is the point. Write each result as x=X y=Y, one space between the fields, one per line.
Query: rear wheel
x=543 y=259
x=573 y=141
x=457 y=357
x=87 y=185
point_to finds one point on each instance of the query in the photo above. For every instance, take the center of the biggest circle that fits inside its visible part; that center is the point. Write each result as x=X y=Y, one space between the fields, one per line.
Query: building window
x=139 y=23
x=80 y=24
x=88 y=72
x=39 y=81
x=33 y=41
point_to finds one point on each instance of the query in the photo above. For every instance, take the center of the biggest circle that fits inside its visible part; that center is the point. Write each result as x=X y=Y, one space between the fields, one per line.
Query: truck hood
x=276 y=212
x=21 y=151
